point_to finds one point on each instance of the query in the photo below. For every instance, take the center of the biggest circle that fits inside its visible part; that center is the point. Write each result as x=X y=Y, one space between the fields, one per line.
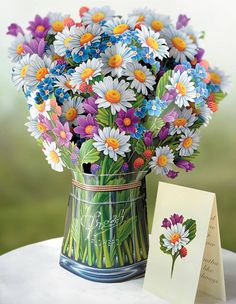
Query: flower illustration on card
x=178 y=233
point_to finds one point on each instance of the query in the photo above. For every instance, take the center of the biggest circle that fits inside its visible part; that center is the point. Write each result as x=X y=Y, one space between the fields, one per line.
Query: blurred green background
x=33 y=198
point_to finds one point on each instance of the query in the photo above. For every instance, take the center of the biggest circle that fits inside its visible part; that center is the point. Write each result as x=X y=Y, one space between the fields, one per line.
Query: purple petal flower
x=35 y=46
x=94 y=168
x=124 y=167
x=166 y=223
x=176 y=219
x=182 y=21
x=14 y=29
x=169 y=96
x=184 y=164
x=89 y=105
x=63 y=133
x=74 y=155
x=87 y=126
x=171 y=116
x=148 y=138
x=200 y=54
x=164 y=132
x=39 y=27
x=172 y=174
x=126 y=121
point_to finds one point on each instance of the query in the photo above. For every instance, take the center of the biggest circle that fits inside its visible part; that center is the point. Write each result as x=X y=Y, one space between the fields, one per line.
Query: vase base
x=111 y=275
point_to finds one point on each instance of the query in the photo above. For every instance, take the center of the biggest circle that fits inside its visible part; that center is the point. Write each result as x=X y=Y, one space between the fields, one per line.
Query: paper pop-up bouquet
x=112 y=98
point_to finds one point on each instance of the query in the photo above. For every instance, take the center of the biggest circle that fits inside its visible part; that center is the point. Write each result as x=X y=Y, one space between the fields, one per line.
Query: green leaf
x=115 y=166
x=138 y=102
x=191 y=226
x=219 y=96
x=103 y=117
x=154 y=124
x=161 y=87
x=163 y=248
x=124 y=230
x=88 y=154
x=140 y=146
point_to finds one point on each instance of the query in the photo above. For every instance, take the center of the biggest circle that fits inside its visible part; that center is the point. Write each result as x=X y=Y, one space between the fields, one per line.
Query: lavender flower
x=35 y=46
x=126 y=120
x=166 y=223
x=182 y=21
x=14 y=29
x=184 y=164
x=95 y=168
x=164 y=132
x=89 y=106
x=176 y=219
x=63 y=133
x=87 y=126
x=148 y=138
x=172 y=174
x=169 y=96
x=124 y=167
x=39 y=27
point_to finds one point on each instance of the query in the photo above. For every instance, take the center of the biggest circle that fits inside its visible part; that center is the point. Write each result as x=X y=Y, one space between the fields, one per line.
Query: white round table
x=32 y=275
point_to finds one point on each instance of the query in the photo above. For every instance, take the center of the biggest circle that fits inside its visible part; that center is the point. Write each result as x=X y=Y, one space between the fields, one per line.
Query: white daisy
x=37 y=70
x=205 y=114
x=118 y=25
x=189 y=142
x=140 y=76
x=141 y=14
x=176 y=237
x=57 y=22
x=112 y=142
x=85 y=36
x=162 y=162
x=157 y=22
x=97 y=14
x=220 y=79
x=86 y=71
x=184 y=120
x=53 y=156
x=181 y=46
x=36 y=109
x=62 y=41
x=20 y=71
x=63 y=82
x=184 y=88
x=151 y=40
x=16 y=50
x=71 y=108
x=195 y=36
x=114 y=94
x=115 y=59
x=36 y=128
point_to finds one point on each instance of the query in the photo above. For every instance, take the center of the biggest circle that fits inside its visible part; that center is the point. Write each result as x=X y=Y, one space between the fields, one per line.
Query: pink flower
x=63 y=133
x=171 y=116
x=87 y=126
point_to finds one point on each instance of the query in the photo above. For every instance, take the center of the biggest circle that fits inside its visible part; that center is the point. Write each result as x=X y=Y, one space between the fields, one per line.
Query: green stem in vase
x=66 y=242
x=131 y=261
x=72 y=230
x=143 y=245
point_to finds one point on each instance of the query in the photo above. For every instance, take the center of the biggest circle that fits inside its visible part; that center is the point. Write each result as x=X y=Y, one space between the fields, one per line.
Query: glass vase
x=106 y=232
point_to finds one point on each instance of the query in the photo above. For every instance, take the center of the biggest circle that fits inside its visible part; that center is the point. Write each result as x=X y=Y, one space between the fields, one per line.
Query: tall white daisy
x=114 y=94
x=64 y=82
x=115 y=59
x=184 y=88
x=220 y=79
x=189 y=142
x=97 y=15
x=53 y=156
x=36 y=109
x=38 y=69
x=162 y=162
x=141 y=14
x=141 y=77
x=184 y=120
x=20 y=71
x=118 y=25
x=57 y=22
x=71 y=109
x=151 y=40
x=16 y=50
x=112 y=142
x=86 y=71
x=62 y=41
x=195 y=36
x=36 y=128
x=157 y=22
x=205 y=114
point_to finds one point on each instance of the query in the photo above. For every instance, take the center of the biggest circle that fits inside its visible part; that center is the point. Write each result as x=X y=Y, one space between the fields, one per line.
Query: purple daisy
x=87 y=126
x=89 y=105
x=39 y=27
x=35 y=46
x=126 y=121
x=14 y=29
x=63 y=133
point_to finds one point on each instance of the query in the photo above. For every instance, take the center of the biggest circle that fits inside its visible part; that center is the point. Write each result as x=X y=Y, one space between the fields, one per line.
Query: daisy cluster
x=107 y=89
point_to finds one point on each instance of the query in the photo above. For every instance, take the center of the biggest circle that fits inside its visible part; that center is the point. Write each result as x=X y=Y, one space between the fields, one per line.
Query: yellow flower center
x=41 y=127
x=58 y=26
x=67 y=41
x=127 y=121
x=162 y=160
x=187 y=142
x=179 y=43
x=68 y=85
x=87 y=72
x=97 y=17
x=40 y=28
x=115 y=61
x=141 y=18
x=180 y=122
x=215 y=78
x=152 y=43
x=24 y=71
x=120 y=29
x=40 y=107
x=63 y=134
x=71 y=114
x=181 y=88
x=86 y=38
x=41 y=73
x=113 y=96
x=20 y=49
x=54 y=157
x=88 y=129
x=56 y=57
x=112 y=143
x=140 y=75
x=175 y=238
x=157 y=25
